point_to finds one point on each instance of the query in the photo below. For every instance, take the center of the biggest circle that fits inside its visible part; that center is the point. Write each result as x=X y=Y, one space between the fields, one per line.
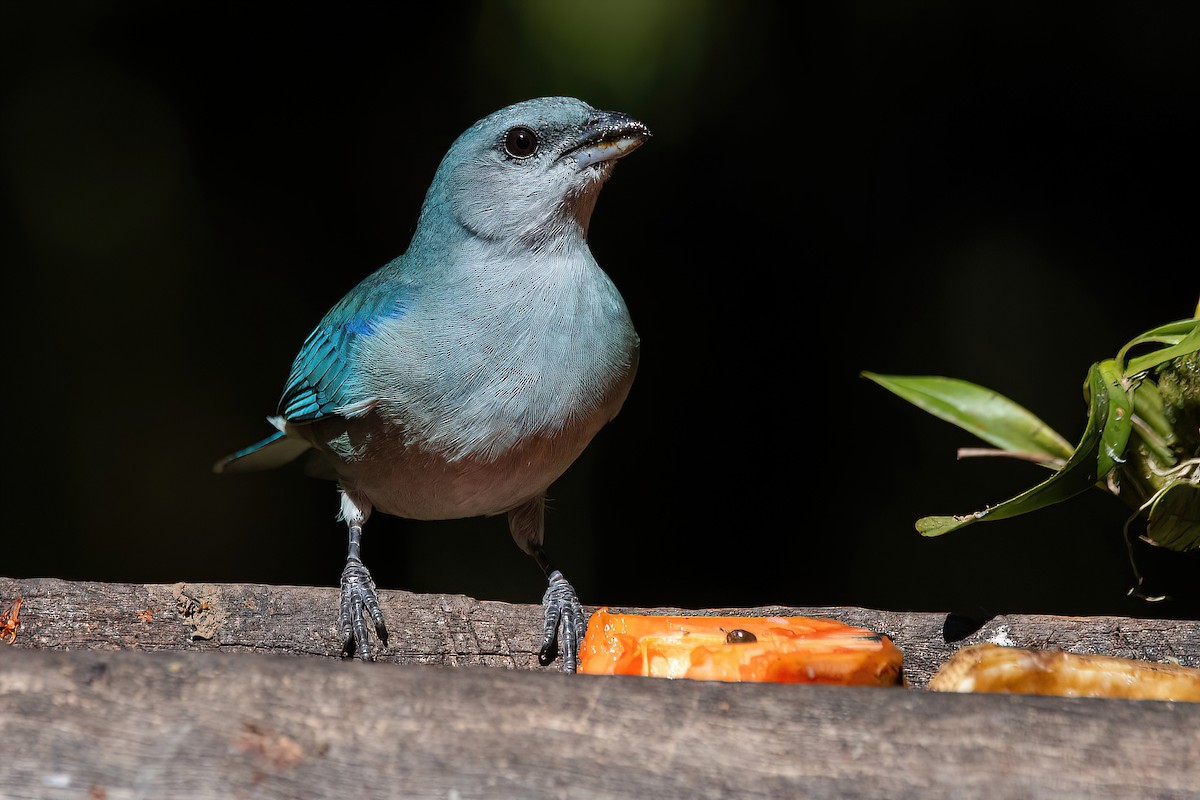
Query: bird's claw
x=562 y=608
x=358 y=601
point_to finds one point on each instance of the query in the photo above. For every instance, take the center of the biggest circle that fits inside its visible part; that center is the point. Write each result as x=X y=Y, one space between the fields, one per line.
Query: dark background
x=1001 y=193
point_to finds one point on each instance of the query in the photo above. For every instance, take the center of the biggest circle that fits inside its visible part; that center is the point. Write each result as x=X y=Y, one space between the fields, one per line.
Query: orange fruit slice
x=772 y=649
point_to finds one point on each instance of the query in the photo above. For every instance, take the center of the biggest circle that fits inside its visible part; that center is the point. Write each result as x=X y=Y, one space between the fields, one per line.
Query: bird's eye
x=521 y=142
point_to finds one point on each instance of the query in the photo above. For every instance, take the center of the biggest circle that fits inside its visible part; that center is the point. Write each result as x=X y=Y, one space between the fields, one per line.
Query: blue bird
x=462 y=378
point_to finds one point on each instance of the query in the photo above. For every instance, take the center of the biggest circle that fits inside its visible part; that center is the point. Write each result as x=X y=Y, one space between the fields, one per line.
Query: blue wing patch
x=321 y=377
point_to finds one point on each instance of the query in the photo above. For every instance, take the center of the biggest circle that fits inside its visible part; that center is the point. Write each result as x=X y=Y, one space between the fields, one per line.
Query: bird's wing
x=324 y=380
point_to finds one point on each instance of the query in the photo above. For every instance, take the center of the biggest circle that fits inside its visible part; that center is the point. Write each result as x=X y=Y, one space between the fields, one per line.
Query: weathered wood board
x=455 y=630
x=227 y=691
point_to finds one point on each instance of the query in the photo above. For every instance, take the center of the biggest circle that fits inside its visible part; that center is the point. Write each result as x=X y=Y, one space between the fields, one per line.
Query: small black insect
x=739 y=636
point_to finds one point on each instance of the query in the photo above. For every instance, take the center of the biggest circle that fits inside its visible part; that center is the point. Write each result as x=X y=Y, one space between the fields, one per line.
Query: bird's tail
x=274 y=451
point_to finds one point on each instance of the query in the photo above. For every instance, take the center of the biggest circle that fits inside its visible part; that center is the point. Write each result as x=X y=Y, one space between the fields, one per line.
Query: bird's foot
x=358 y=601
x=562 y=610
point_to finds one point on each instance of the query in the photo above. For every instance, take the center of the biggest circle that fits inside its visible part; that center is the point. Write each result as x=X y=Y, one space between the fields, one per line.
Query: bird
x=465 y=376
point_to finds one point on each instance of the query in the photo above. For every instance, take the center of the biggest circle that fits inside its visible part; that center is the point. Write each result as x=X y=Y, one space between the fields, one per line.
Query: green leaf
x=936 y=526
x=1174 y=521
x=1180 y=337
x=1117 y=424
x=1102 y=445
x=987 y=414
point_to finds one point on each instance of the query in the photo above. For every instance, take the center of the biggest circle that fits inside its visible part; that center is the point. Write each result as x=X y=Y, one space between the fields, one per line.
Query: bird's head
x=529 y=174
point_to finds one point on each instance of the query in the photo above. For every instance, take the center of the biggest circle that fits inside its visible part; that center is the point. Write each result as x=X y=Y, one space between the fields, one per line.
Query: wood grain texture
x=213 y=691
x=453 y=630
x=239 y=725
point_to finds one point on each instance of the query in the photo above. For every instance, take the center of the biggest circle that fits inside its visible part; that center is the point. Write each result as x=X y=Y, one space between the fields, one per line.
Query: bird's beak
x=608 y=136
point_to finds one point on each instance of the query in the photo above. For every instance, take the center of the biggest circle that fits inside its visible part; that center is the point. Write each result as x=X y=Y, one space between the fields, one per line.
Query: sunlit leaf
x=1117 y=424
x=1080 y=473
x=1180 y=338
x=987 y=414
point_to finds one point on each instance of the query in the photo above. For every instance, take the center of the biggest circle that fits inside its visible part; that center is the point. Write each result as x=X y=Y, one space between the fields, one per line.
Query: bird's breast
x=482 y=398
x=474 y=373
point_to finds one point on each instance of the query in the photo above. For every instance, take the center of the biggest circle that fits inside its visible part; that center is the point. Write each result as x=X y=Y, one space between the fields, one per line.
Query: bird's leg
x=358 y=588
x=560 y=603
x=561 y=606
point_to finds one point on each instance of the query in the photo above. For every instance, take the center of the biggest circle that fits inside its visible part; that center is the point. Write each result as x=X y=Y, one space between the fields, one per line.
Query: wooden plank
x=213 y=691
x=209 y=725
x=455 y=630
